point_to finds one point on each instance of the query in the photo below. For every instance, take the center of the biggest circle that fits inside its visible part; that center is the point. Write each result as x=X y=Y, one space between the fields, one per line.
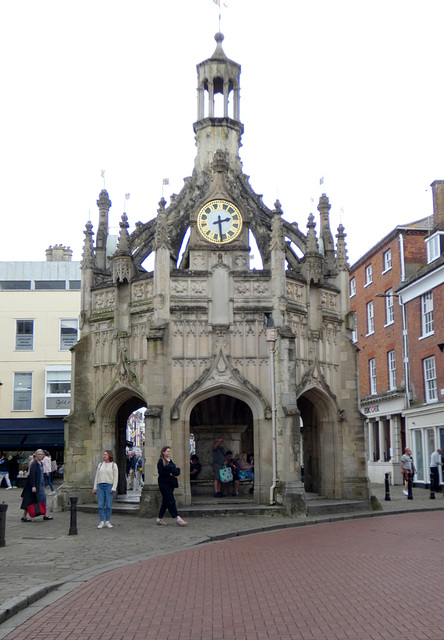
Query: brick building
x=395 y=292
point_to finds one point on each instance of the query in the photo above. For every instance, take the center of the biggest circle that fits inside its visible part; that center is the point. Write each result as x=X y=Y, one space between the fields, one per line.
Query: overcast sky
x=347 y=90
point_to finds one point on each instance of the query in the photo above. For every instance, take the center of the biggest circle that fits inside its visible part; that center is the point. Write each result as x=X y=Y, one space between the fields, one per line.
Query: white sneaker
x=108 y=525
x=7 y=488
x=14 y=487
x=101 y=525
x=52 y=493
x=181 y=522
x=406 y=493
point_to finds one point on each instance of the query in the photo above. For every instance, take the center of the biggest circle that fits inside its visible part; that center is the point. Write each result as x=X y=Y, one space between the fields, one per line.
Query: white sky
x=350 y=90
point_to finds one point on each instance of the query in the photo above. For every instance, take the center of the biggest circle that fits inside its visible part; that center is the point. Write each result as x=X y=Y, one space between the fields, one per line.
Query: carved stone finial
x=341 y=250
x=88 y=256
x=312 y=243
x=123 y=247
x=162 y=231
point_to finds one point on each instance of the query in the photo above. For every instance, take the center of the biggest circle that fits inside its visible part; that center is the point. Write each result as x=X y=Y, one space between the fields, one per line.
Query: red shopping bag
x=36 y=509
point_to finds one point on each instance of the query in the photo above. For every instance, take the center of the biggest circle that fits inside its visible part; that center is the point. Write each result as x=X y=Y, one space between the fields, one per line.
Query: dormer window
x=433 y=247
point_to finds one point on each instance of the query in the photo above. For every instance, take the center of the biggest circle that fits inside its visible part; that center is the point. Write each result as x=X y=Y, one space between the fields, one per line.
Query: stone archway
x=225 y=416
x=113 y=414
x=322 y=444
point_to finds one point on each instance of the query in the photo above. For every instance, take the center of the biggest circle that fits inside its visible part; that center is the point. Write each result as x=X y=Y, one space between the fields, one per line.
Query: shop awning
x=31 y=433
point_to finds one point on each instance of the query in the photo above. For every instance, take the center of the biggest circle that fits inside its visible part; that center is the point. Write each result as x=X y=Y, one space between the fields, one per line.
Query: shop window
x=418 y=455
x=57 y=390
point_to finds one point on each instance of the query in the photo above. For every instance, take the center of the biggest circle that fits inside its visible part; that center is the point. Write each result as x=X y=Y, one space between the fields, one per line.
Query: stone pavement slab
x=40 y=557
x=359 y=579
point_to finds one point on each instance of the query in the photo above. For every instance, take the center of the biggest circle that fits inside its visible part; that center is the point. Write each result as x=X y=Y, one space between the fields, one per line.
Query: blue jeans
x=105 y=500
x=48 y=481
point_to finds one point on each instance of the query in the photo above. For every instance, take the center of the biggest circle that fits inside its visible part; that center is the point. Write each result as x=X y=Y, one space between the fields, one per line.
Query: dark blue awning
x=31 y=433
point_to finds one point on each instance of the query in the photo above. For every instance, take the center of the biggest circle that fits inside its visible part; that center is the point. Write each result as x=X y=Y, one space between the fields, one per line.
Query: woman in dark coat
x=34 y=490
x=167 y=480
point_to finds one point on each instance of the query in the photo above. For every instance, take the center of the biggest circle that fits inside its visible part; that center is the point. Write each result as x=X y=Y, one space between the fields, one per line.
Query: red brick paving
x=368 y=579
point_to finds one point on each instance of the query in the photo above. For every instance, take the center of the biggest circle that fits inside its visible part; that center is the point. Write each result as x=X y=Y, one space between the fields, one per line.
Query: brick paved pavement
x=365 y=579
x=334 y=581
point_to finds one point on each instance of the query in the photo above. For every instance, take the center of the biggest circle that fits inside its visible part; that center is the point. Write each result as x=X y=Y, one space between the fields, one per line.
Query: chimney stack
x=438 y=203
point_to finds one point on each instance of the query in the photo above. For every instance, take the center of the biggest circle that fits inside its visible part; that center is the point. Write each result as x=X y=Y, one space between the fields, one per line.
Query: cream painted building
x=39 y=310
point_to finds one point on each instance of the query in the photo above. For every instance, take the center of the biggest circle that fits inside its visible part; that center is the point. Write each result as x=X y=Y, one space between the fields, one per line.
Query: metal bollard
x=73 y=523
x=409 y=486
x=3 y=509
x=387 y=486
x=432 y=486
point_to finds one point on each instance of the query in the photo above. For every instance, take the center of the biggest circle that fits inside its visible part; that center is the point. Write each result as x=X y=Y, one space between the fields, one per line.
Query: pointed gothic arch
x=322 y=442
x=113 y=411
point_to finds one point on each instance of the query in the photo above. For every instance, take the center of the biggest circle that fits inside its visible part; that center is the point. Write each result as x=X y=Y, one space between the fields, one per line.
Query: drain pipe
x=271 y=339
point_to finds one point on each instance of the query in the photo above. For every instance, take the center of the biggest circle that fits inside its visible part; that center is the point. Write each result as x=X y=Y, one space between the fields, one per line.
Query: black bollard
x=73 y=524
x=3 y=509
x=409 y=486
x=432 y=486
x=387 y=486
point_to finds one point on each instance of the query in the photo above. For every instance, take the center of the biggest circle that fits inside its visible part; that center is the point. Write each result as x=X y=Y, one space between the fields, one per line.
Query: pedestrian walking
x=47 y=472
x=218 y=462
x=34 y=489
x=168 y=474
x=435 y=463
x=139 y=472
x=105 y=485
x=4 y=471
x=407 y=469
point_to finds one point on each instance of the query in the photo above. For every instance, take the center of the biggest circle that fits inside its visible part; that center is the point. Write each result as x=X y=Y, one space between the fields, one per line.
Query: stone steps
x=320 y=506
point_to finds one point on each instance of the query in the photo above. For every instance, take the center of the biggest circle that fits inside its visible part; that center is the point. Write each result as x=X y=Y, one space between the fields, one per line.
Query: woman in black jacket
x=167 y=480
x=34 y=490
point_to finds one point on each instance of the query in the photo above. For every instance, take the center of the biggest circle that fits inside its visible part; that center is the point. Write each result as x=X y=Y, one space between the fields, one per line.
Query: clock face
x=219 y=221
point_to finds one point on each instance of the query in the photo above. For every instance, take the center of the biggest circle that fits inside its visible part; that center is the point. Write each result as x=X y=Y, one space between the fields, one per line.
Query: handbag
x=225 y=474
x=36 y=509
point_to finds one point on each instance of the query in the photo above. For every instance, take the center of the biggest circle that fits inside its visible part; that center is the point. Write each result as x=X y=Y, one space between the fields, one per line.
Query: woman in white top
x=105 y=485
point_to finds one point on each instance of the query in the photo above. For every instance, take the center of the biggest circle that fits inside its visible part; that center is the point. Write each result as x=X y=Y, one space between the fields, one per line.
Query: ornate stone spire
x=341 y=250
x=123 y=246
x=328 y=248
x=312 y=243
x=122 y=262
x=88 y=256
x=313 y=262
x=104 y=205
x=162 y=232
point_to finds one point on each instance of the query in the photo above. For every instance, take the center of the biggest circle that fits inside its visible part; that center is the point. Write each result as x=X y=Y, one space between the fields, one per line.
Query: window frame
x=387 y=260
x=22 y=335
x=433 y=245
x=389 y=307
x=430 y=381
x=370 y=317
x=15 y=389
x=352 y=287
x=73 y=320
x=372 y=376
x=391 y=368
x=368 y=275
x=427 y=321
